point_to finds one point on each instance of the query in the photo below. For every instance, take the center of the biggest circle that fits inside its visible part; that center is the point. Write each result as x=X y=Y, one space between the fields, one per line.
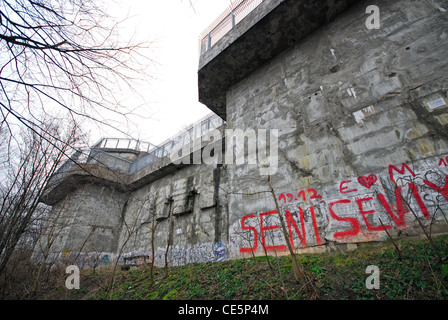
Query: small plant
x=170 y=295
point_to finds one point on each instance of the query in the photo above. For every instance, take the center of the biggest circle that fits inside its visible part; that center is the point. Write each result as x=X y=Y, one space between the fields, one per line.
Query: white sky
x=171 y=98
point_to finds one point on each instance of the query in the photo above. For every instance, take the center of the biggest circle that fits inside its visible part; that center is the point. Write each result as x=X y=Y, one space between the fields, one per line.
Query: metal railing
x=191 y=133
x=99 y=152
x=123 y=143
x=236 y=12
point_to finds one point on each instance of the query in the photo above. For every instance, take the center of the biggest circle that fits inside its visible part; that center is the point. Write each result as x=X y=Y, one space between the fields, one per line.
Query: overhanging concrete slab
x=268 y=30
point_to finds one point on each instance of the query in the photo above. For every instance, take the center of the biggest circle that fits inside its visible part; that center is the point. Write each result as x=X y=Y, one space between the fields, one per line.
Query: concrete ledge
x=268 y=30
x=120 y=150
x=67 y=181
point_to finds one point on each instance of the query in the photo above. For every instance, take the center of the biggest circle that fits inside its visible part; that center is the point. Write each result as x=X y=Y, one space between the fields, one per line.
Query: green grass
x=420 y=274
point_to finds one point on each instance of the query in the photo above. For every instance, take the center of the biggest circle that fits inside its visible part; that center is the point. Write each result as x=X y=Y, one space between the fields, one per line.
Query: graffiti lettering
x=353 y=221
x=216 y=251
x=364 y=213
x=343 y=188
x=397 y=214
x=404 y=167
x=357 y=216
x=220 y=251
x=301 y=195
x=422 y=206
x=290 y=221
x=90 y=260
x=315 y=228
x=443 y=191
x=264 y=228
x=268 y=222
x=254 y=247
x=432 y=201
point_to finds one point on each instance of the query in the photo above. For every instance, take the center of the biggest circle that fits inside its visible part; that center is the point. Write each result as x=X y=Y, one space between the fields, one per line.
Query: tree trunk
x=300 y=278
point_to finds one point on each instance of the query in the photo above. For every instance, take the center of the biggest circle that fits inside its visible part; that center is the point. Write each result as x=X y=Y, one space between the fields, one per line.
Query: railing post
x=206 y=42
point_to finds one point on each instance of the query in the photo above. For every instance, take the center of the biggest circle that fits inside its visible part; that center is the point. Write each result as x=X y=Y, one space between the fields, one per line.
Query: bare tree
x=63 y=55
x=55 y=226
x=153 y=230
x=134 y=220
x=25 y=179
x=169 y=239
x=298 y=271
x=413 y=184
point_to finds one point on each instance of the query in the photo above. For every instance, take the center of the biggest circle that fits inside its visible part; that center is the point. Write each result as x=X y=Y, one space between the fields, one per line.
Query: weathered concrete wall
x=119 y=160
x=190 y=198
x=85 y=226
x=363 y=147
x=269 y=29
x=351 y=105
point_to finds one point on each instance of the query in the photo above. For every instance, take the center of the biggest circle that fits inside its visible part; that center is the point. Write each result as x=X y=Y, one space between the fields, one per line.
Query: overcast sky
x=173 y=27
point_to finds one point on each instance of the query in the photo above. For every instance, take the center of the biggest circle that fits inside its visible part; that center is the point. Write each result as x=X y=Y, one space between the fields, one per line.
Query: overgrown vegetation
x=420 y=274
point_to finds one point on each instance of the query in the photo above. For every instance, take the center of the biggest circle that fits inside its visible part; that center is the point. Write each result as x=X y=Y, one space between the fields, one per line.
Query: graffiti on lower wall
x=362 y=209
x=83 y=260
x=91 y=260
x=359 y=209
x=176 y=256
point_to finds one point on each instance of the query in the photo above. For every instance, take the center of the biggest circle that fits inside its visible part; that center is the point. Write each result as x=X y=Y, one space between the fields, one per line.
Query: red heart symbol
x=367 y=181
